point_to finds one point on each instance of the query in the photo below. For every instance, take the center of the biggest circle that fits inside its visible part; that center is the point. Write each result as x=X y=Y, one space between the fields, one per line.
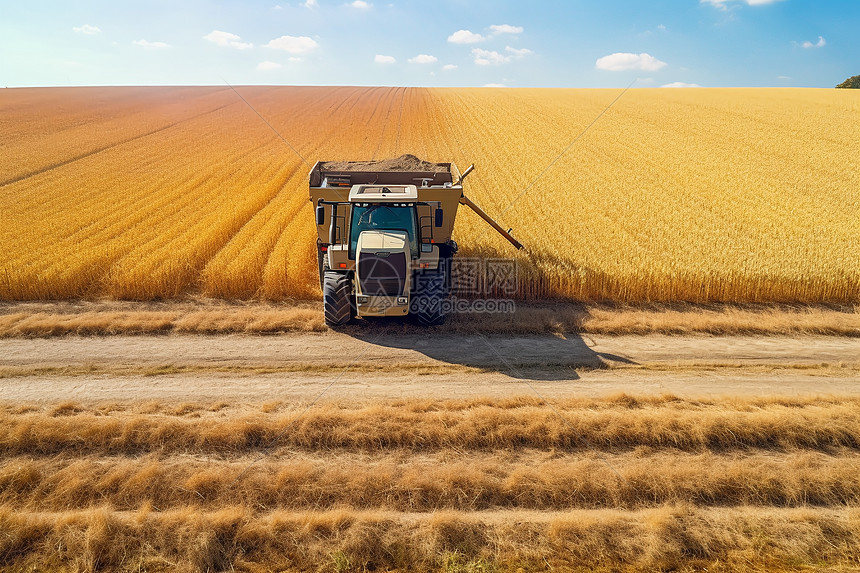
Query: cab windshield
x=382 y=218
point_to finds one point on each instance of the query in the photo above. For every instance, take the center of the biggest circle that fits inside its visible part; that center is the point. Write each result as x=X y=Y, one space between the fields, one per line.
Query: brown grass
x=468 y=481
x=614 y=424
x=723 y=320
x=621 y=483
x=662 y=539
x=197 y=317
x=207 y=316
x=336 y=366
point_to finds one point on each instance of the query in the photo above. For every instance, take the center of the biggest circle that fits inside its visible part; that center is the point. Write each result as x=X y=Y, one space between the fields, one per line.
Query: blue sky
x=549 y=43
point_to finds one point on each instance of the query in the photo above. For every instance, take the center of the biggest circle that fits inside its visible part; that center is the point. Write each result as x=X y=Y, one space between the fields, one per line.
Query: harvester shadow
x=532 y=334
x=538 y=357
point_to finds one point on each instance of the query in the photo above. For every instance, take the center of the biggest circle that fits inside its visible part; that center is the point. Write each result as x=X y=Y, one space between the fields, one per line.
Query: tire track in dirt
x=297 y=366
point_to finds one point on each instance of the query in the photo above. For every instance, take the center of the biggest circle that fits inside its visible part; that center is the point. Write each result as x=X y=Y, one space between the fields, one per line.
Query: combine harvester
x=384 y=236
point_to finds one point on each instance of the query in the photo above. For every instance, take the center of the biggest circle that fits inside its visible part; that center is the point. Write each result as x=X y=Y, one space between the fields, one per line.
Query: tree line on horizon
x=851 y=83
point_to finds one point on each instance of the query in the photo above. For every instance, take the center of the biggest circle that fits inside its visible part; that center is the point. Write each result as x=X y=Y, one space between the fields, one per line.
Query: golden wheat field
x=693 y=195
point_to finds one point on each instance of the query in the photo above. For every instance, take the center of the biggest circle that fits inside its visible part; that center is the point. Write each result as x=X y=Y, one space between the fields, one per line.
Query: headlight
x=361 y=299
x=402 y=300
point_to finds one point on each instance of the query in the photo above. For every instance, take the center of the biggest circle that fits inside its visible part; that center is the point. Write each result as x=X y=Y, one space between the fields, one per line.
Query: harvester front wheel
x=337 y=291
x=428 y=302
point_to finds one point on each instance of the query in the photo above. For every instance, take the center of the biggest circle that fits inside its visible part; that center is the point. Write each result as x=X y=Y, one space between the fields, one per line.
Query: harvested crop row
x=216 y=316
x=421 y=484
x=616 y=425
x=534 y=480
x=670 y=538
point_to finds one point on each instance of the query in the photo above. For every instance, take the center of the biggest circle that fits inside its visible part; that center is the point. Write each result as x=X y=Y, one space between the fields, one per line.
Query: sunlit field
x=699 y=195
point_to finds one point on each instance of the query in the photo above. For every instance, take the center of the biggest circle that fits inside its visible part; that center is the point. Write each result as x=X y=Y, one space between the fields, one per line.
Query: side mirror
x=320 y=214
x=439 y=215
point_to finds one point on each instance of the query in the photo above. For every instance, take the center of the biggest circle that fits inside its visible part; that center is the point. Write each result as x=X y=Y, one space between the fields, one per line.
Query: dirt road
x=379 y=365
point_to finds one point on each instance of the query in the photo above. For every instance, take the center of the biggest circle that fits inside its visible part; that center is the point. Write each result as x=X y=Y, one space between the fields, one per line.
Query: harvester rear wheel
x=337 y=292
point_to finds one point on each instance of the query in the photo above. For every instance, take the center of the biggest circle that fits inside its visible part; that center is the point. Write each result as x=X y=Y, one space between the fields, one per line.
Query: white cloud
x=661 y=27
x=87 y=30
x=227 y=40
x=311 y=4
x=722 y=4
x=267 y=66
x=465 y=37
x=489 y=57
x=680 y=85
x=380 y=59
x=449 y=67
x=819 y=44
x=506 y=29
x=295 y=59
x=293 y=44
x=783 y=77
x=423 y=59
x=360 y=4
x=622 y=61
x=150 y=45
x=494 y=85
x=521 y=53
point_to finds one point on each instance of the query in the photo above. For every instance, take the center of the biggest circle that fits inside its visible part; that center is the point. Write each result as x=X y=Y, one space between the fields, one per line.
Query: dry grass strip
x=662 y=539
x=209 y=316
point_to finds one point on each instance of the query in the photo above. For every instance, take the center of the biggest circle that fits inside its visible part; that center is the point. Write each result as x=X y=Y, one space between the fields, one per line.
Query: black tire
x=428 y=300
x=446 y=254
x=337 y=295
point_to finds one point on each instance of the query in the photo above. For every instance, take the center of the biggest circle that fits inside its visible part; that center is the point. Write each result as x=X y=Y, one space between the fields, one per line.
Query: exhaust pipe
x=332 y=229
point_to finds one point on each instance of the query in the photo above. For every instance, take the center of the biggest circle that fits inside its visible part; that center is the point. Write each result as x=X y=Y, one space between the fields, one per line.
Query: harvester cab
x=384 y=242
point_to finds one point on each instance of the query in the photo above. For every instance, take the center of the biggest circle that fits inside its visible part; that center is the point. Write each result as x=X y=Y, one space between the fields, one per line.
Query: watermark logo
x=476 y=285
x=483 y=277
x=458 y=285
x=455 y=305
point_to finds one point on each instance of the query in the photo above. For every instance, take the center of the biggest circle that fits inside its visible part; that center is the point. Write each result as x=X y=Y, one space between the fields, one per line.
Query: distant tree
x=853 y=82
